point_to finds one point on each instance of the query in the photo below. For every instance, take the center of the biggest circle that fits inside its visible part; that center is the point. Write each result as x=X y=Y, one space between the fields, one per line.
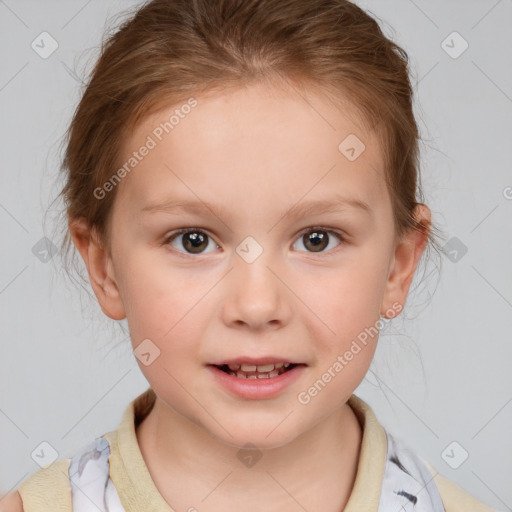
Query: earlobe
x=99 y=267
x=405 y=260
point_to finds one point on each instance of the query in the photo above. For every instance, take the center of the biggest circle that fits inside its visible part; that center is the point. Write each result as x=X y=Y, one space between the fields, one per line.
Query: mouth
x=253 y=371
x=256 y=379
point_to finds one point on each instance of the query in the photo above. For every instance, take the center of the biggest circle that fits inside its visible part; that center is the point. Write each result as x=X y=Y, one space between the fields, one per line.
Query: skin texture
x=11 y=502
x=254 y=152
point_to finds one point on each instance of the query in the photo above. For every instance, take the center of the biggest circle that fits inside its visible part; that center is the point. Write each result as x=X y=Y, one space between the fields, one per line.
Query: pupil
x=318 y=240
x=194 y=241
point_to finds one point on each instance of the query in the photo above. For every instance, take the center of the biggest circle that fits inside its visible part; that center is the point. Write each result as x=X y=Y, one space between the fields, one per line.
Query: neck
x=316 y=470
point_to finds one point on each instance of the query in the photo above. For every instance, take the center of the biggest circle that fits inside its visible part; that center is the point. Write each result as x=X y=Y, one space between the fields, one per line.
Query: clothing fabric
x=110 y=473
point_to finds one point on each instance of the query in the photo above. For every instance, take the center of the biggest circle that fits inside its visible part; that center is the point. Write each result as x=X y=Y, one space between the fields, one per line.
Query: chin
x=247 y=437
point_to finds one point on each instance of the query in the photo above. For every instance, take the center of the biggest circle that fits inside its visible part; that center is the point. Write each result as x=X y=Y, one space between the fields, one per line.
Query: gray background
x=67 y=374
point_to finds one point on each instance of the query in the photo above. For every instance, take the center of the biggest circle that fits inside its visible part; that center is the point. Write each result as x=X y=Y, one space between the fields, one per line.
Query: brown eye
x=317 y=240
x=192 y=241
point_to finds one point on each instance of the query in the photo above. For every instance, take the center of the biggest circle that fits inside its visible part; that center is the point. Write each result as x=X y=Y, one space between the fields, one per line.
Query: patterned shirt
x=110 y=473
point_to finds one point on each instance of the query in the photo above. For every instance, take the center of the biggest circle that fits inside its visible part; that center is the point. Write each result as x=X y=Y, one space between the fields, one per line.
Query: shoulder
x=11 y=502
x=48 y=489
x=54 y=488
x=456 y=499
x=411 y=477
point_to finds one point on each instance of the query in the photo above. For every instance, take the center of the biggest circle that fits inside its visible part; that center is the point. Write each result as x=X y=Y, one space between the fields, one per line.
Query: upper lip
x=257 y=361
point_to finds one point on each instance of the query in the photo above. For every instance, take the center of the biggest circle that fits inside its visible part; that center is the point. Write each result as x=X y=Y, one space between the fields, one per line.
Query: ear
x=405 y=259
x=100 y=268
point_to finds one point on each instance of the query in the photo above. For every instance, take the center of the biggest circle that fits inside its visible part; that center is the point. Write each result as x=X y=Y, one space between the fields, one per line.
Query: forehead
x=270 y=144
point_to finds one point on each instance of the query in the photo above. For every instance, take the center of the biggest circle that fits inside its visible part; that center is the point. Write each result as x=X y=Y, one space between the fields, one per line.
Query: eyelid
x=192 y=229
x=336 y=232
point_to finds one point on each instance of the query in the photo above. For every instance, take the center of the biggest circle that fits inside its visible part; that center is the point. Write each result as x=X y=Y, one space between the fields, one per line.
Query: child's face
x=253 y=155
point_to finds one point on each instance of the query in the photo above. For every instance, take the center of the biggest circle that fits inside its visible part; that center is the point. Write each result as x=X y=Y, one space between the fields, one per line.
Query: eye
x=194 y=241
x=317 y=239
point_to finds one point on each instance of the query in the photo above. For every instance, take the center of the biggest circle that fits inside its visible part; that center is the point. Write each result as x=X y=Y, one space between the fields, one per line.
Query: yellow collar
x=137 y=490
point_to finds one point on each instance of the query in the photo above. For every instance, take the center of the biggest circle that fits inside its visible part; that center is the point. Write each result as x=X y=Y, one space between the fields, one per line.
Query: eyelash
x=340 y=236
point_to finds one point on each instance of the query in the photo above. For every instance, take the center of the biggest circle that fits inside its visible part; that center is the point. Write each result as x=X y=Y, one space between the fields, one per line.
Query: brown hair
x=170 y=50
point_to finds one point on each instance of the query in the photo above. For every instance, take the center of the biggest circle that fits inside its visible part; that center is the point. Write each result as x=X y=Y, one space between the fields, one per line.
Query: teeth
x=265 y=368
x=262 y=371
x=262 y=368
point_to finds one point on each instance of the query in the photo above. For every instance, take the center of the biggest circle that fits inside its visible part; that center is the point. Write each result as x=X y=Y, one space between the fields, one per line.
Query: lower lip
x=257 y=389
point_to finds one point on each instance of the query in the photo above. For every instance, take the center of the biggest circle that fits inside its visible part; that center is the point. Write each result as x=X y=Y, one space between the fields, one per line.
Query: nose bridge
x=255 y=295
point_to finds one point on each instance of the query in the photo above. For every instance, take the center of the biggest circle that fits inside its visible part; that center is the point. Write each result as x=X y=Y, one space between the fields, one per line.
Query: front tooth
x=263 y=376
x=248 y=368
x=265 y=367
x=279 y=365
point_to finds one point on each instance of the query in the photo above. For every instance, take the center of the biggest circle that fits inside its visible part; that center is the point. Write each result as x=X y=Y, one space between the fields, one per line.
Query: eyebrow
x=300 y=209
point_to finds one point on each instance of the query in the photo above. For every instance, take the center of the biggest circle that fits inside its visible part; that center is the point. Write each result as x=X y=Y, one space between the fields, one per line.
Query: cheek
x=171 y=320
x=338 y=374
x=161 y=303
x=346 y=298
x=346 y=316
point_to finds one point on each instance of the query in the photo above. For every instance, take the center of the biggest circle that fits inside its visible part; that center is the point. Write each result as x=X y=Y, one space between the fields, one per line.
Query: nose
x=255 y=295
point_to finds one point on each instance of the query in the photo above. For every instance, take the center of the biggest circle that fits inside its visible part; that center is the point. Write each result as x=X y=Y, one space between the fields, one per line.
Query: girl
x=242 y=185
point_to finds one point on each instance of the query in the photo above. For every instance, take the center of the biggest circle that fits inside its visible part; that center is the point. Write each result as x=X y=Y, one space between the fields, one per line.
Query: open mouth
x=246 y=371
